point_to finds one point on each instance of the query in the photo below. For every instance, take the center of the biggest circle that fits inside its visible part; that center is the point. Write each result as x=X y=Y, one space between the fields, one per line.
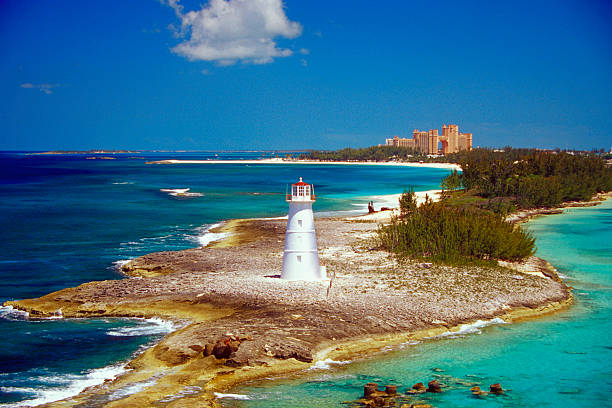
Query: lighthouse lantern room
x=301 y=256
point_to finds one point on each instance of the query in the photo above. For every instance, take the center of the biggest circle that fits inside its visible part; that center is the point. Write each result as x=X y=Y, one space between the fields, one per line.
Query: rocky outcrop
x=434 y=386
x=496 y=389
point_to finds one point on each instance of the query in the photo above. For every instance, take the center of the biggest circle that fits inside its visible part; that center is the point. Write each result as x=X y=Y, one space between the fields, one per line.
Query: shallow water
x=563 y=360
x=68 y=220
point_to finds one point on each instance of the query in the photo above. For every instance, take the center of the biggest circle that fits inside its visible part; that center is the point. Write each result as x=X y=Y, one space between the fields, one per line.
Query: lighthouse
x=301 y=257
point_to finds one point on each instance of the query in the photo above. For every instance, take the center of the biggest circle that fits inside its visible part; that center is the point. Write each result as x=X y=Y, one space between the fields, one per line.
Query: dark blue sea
x=71 y=219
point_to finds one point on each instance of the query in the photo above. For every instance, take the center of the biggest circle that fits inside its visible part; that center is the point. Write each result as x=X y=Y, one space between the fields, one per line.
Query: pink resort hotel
x=429 y=142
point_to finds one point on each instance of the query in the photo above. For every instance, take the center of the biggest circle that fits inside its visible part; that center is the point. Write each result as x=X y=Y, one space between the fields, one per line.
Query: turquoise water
x=563 y=360
x=67 y=220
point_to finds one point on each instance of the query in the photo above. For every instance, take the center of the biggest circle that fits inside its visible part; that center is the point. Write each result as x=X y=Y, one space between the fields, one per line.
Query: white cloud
x=45 y=88
x=227 y=31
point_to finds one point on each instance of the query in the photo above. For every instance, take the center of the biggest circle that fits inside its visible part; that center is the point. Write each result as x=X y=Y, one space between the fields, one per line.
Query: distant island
x=86 y=152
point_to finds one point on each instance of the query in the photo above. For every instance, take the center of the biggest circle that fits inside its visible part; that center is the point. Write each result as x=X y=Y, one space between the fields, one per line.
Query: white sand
x=449 y=166
x=392 y=201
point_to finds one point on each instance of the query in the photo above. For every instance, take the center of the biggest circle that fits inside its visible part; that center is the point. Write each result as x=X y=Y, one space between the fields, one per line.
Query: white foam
x=132 y=389
x=180 y=192
x=123 y=182
x=408 y=344
x=327 y=364
x=10 y=313
x=233 y=396
x=206 y=236
x=194 y=389
x=471 y=328
x=71 y=385
x=119 y=264
x=146 y=327
x=58 y=315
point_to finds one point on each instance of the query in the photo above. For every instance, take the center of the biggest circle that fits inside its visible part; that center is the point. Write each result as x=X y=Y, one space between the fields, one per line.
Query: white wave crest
x=327 y=364
x=118 y=264
x=146 y=327
x=68 y=386
x=472 y=328
x=206 y=236
x=123 y=182
x=234 y=396
x=180 y=192
x=10 y=313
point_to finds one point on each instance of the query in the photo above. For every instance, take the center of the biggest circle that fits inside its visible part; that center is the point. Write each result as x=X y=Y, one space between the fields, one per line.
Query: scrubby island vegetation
x=450 y=234
x=372 y=153
x=530 y=178
x=468 y=224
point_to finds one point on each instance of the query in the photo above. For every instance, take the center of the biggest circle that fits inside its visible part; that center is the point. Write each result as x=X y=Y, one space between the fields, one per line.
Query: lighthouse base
x=302 y=266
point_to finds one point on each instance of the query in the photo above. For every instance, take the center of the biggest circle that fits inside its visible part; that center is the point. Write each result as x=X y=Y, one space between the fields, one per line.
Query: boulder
x=221 y=350
x=434 y=386
x=208 y=349
x=233 y=345
x=391 y=390
x=476 y=391
x=369 y=389
x=419 y=386
x=496 y=389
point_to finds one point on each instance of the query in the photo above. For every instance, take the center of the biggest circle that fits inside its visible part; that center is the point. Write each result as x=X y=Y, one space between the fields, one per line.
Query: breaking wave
x=144 y=327
x=233 y=396
x=180 y=192
x=10 y=313
x=63 y=386
x=471 y=328
x=205 y=236
x=327 y=364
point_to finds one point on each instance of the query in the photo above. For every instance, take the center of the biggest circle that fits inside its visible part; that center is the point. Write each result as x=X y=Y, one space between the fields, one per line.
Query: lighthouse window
x=299 y=258
x=300 y=223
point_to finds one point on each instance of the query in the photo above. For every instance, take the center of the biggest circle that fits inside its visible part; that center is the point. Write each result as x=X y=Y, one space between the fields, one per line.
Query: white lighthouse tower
x=301 y=256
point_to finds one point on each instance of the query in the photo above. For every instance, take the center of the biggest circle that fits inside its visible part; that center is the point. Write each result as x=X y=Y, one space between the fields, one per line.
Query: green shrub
x=447 y=234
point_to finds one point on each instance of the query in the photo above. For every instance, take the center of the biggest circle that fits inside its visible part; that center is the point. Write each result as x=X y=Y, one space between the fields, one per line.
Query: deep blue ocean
x=562 y=360
x=71 y=219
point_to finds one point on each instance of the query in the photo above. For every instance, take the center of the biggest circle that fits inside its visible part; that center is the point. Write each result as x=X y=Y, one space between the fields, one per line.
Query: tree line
x=533 y=178
x=372 y=153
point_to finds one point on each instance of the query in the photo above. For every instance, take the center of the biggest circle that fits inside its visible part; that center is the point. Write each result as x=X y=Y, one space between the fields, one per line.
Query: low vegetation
x=530 y=178
x=468 y=225
x=372 y=153
x=453 y=235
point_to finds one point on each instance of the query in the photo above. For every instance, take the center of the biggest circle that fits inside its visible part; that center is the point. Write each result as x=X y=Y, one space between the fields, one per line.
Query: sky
x=302 y=74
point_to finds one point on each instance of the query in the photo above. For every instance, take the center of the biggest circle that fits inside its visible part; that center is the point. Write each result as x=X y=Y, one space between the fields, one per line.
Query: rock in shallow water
x=434 y=386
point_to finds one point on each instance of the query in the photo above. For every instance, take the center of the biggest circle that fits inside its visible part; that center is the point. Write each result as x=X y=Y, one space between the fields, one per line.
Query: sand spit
x=230 y=290
x=450 y=166
x=525 y=215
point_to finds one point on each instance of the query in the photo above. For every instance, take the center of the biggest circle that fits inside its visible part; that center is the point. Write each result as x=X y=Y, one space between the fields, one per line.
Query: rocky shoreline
x=242 y=322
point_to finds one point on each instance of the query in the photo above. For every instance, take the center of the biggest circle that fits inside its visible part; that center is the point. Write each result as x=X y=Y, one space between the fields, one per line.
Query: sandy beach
x=450 y=166
x=229 y=293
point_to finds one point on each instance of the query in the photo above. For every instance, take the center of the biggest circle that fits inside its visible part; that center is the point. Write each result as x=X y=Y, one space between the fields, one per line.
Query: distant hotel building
x=427 y=142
